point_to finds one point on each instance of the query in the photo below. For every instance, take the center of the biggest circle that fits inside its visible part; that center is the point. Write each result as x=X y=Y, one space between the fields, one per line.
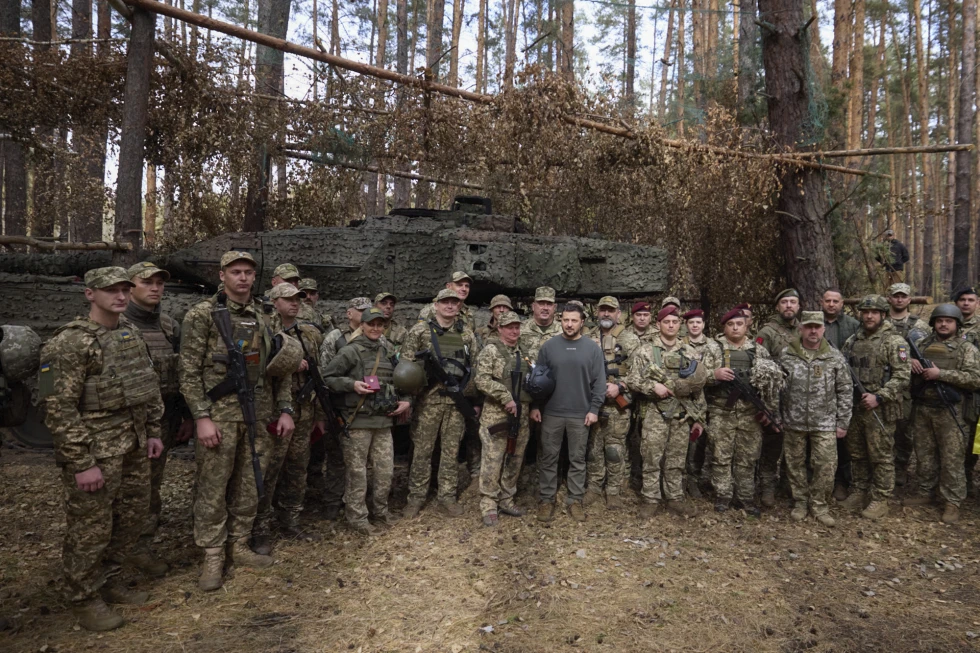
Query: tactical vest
x=871 y=368
x=511 y=362
x=739 y=361
x=944 y=358
x=299 y=379
x=160 y=342
x=247 y=331
x=381 y=402
x=612 y=351
x=126 y=379
x=904 y=325
x=453 y=349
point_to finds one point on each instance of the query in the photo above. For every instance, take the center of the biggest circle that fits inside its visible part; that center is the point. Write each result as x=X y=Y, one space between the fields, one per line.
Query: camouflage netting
x=713 y=214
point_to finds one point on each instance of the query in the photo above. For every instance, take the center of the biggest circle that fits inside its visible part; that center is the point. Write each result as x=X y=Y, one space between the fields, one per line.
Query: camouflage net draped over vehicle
x=714 y=215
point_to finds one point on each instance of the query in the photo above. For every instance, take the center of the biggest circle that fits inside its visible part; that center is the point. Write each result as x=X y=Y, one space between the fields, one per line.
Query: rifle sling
x=223 y=389
x=360 y=402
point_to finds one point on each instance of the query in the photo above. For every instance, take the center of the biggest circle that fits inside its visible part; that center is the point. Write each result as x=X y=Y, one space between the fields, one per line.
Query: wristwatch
x=288 y=411
x=879 y=400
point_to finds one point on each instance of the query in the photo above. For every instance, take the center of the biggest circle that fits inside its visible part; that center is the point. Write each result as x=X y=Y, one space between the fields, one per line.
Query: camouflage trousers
x=736 y=443
x=605 y=459
x=435 y=420
x=904 y=440
x=664 y=445
x=364 y=448
x=328 y=483
x=940 y=449
x=696 y=452
x=499 y=471
x=171 y=422
x=284 y=463
x=772 y=452
x=102 y=527
x=872 y=453
x=226 y=500
x=823 y=459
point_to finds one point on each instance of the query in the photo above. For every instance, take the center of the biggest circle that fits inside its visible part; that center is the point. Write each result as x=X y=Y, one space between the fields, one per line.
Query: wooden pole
x=875 y=151
x=51 y=246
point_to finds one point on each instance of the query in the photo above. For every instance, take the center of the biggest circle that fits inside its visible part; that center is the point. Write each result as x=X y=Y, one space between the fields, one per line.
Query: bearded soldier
x=499 y=305
x=162 y=335
x=362 y=375
x=880 y=359
x=938 y=431
x=395 y=332
x=661 y=370
x=317 y=318
x=815 y=411
x=606 y=457
x=226 y=498
x=506 y=400
x=451 y=352
x=103 y=406
x=709 y=352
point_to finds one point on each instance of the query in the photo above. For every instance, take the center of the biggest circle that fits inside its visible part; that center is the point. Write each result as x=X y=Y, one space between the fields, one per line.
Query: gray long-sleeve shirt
x=580 y=376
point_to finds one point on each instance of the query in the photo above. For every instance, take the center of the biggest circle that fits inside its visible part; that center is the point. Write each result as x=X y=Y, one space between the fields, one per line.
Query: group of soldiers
x=278 y=400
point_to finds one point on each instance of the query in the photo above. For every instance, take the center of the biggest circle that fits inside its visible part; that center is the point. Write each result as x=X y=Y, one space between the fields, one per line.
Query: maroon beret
x=731 y=315
x=696 y=312
x=669 y=309
x=744 y=306
x=641 y=306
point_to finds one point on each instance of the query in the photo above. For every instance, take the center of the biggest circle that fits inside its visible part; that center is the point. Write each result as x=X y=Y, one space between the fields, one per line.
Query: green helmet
x=873 y=303
x=20 y=353
x=287 y=353
x=408 y=377
x=946 y=310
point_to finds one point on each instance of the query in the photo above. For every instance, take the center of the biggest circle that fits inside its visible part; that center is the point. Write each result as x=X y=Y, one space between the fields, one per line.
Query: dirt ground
x=711 y=583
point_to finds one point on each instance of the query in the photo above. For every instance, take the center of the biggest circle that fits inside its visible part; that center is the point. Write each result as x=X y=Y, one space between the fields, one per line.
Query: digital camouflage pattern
x=818 y=392
x=823 y=461
x=334 y=341
x=773 y=337
x=395 y=333
x=361 y=447
x=905 y=324
x=533 y=336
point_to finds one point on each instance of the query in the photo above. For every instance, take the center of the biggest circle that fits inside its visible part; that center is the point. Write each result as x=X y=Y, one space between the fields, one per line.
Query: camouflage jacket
x=888 y=353
x=534 y=336
x=83 y=437
x=647 y=368
x=311 y=339
x=648 y=334
x=395 y=333
x=493 y=380
x=418 y=340
x=907 y=323
x=966 y=375
x=466 y=315
x=199 y=371
x=971 y=329
x=776 y=334
x=709 y=351
x=348 y=366
x=334 y=341
x=162 y=335
x=818 y=393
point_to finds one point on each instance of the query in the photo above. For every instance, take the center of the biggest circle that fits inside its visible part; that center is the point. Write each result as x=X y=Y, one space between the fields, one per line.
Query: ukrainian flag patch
x=126 y=335
x=45 y=367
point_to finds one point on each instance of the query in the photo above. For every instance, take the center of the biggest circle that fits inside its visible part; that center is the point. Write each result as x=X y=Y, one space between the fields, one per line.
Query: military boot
x=144 y=560
x=262 y=544
x=614 y=502
x=510 y=509
x=576 y=511
x=412 y=508
x=546 y=511
x=799 y=511
x=855 y=502
x=681 y=507
x=768 y=498
x=490 y=519
x=96 y=616
x=875 y=510
x=693 y=490
x=451 y=507
x=362 y=528
x=122 y=595
x=951 y=514
x=648 y=510
x=332 y=512
x=824 y=519
x=211 y=570
x=840 y=492
x=242 y=556
x=722 y=504
x=592 y=496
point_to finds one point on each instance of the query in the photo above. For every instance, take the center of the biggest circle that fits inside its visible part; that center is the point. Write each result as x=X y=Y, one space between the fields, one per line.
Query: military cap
x=501 y=300
x=896 y=288
x=230 y=257
x=670 y=300
x=640 y=307
x=874 y=303
x=969 y=290
x=284 y=290
x=99 y=278
x=446 y=293
x=744 y=306
x=812 y=317
x=610 y=302
x=574 y=302
x=145 y=270
x=510 y=317
x=461 y=276
x=667 y=311
x=286 y=271
x=381 y=296
x=695 y=312
x=372 y=314
x=544 y=294
x=360 y=303
x=731 y=315
x=789 y=292
x=308 y=284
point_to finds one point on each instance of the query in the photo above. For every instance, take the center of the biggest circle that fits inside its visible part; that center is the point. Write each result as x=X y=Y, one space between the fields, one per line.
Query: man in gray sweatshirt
x=578 y=367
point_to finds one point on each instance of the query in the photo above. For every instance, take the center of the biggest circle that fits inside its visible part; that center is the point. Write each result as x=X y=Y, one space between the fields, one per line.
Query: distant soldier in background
x=395 y=332
x=894 y=260
x=905 y=323
x=320 y=319
x=499 y=305
x=966 y=300
x=103 y=406
x=289 y=273
x=640 y=322
x=838 y=327
x=460 y=283
x=709 y=352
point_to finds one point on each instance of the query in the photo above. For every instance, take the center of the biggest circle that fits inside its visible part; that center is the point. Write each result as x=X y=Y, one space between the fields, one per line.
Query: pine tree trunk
x=855 y=112
x=508 y=11
x=680 y=68
x=748 y=52
x=964 y=160
x=13 y=163
x=802 y=205
x=630 y=57
x=433 y=35
x=403 y=187
x=481 y=38
x=926 y=258
x=665 y=63
x=150 y=207
x=843 y=21
x=87 y=189
x=568 y=39
x=458 y=8
x=43 y=188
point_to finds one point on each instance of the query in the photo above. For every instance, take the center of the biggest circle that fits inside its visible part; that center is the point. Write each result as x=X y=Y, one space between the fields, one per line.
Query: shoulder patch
x=126 y=335
x=903 y=353
x=759 y=340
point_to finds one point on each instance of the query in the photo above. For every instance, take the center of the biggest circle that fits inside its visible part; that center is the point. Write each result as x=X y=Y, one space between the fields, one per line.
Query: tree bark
x=13 y=163
x=748 y=52
x=481 y=40
x=129 y=214
x=964 y=160
x=855 y=110
x=680 y=66
x=665 y=63
x=630 y=96
x=433 y=35
x=926 y=202
x=150 y=207
x=508 y=10
x=403 y=187
x=43 y=187
x=458 y=8
x=802 y=206
x=843 y=20
x=568 y=39
x=89 y=141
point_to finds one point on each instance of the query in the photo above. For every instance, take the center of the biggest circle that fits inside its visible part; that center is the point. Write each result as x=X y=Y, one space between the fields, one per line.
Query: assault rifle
x=314 y=384
x=739 y=389
x=947 y=395
x=454 y=390
x=861 y=391
x=236 y=381
x=515 y=391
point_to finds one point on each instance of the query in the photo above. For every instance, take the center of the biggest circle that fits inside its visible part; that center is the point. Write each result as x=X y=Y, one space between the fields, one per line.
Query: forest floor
x=710 y=583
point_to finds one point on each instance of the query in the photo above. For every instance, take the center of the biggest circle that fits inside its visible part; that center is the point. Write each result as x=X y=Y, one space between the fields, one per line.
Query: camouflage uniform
x=815 y=402
x=648 y=334
x=881 y=362
x=939 y=442
x=664 y=440
x=436 y=414
x=467 y=316
x=162 y=336
x=606 y=456
x=534 y=336
x=105 y=420
x=369 y=434
x=970 y=331
x=226 y=499
x=285 y=461
x=903 y=436
x=709 y=352
x=499 y=471
x=773 y=337
x=736 y=436
x=395 y=333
